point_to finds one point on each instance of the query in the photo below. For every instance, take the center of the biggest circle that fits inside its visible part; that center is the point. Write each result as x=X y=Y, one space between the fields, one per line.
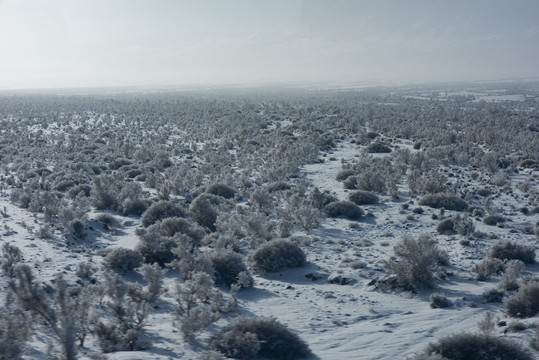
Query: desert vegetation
x=155 y=222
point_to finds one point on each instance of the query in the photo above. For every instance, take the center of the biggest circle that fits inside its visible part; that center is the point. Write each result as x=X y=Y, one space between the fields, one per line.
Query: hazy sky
x=74 y=43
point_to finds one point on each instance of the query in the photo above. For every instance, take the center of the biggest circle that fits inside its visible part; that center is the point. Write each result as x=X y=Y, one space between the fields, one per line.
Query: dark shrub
x=488 y=267
x=227 y=265
x=278 y=186
x=202 y=211
x=493 y=295
x=363 y=197
x=493 y=220
x=378 y=148
x=156 y=248
x=524 y=303
x=160 y=211
x=109 y=222
x=321 y=199
x=174 y=225
x=508 y=250
x=221 y=190
x=344 y=209
x=123 y=260
x=467 y=346
x=445 y=226
x=447 y=202
x=278 y=255
x=483 y=192
x=133 y=207
x=439 y=301
x=251 y=337
x=76 y=190
x=344 y=174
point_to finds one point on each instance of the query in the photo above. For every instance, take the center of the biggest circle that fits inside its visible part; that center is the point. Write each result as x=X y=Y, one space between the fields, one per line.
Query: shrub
x=251 y=337
x=511 y=274
x=439 y=301
x=524 y=303
x=109 y=222
x=369 y=181
x=445 y=226
x=161 y=211
x=203 y=212
x=133 y=207
x=419 y=263
x=478 y=347
x=493 y=220
x=156 y=248
x=321 y=199
x=344 y=174
x=14 y=331
x=508 y=250
x=221 y=190
x=345 y=209
x=227 y=266
x=488 y=267
x=378 y=148
x=278 y=255
x=363 y=197
x=447 y=202
x=123 y=260
x=174 y=225
x=493 y=295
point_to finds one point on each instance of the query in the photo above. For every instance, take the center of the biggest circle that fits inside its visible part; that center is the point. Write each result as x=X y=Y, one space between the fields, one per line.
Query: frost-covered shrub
x=363 y=197
x=447 y=202
x=156 y=248
x=77 y=189
x=488 y=267
x=278 y=186
x=371 y=181
x=478 y=347
x=460 y=224
x=418 y=264
x=123 y=260
x=439 y=301
x=11 y=255
x=277 y=255
x=321 y=199
x=251 y=337
x=222 y=190
x=345 y=209
x=493 y=219
x=513 y=270
x=202 y=211
x=524 y=303
x=160 y=211
x=445 y=226
x=508 y=250
x=227 y=266
x=102 y=194
x=14 y=332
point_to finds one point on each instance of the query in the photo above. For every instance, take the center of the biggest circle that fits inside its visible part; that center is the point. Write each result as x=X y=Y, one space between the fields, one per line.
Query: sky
x=94 y=43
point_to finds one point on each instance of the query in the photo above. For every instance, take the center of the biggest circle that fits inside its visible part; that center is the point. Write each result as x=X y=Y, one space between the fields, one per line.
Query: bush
x=123 y=260
x=133 y=207
x=363 y=197
x=369 y=181
x=494 y=220
x=508 y=250
x=447 y=202
x=203 y=212
x=493 y=295
x=378 y=148
x=109 y=222
x=250 y=337
x=227 y=266
x=156 y=248
x=161 y=211
x=345 y=209
x=344 y=174
x=524 y=303
x=439 y=301
x=446 y=226
x=419 y=263
x=488 y=267
x=478 y=347
x=278 y=255
x=174 y=225
x=221 y=190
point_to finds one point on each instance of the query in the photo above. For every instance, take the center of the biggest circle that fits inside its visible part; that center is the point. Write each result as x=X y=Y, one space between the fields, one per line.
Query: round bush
x=445 y=226
x=221 y=190
x=508 y=250
x=363 y=197
x=160 y=211
x=251 y=337
x=378 y=148
x=524 y=303
x=156 y=248
x=174 y=225
x=227 y=265
x=278 y=255
x=202 y=211
x=133 y=207
x=494 y=220
x=123 y=260
x=345 y=209
x=478 y=347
